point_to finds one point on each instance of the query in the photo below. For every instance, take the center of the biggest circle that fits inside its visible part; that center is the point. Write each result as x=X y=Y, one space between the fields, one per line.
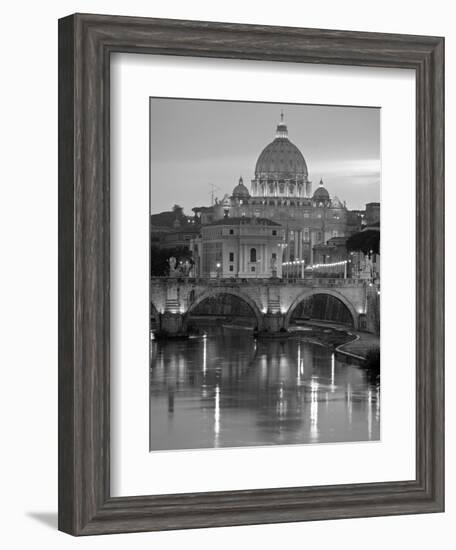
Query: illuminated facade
x=239 y=247
x=281 y=191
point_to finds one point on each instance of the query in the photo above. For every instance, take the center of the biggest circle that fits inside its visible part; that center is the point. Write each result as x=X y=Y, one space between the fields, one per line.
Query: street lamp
x=218 y=265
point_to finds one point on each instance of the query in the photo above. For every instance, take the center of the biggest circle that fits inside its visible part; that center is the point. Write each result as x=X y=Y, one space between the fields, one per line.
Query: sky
x=200 y=146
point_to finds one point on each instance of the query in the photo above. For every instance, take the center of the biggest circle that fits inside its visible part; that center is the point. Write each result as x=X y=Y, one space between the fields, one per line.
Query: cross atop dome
x=282 y=130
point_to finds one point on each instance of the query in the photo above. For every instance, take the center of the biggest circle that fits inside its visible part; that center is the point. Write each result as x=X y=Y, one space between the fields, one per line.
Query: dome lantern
x=282 y=130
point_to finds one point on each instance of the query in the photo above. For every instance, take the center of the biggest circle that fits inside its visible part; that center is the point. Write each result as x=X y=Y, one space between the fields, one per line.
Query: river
x=227 y=389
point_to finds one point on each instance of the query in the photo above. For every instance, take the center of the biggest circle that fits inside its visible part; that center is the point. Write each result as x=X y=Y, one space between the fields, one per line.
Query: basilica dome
x=321 y=192
x=241 y=191
x=281 y=159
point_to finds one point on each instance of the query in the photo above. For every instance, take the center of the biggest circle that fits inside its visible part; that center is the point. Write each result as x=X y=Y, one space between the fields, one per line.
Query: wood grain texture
x=85 y=45
x=66 y=275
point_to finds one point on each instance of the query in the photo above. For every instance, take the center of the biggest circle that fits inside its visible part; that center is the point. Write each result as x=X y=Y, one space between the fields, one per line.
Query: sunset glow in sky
x=197 y=143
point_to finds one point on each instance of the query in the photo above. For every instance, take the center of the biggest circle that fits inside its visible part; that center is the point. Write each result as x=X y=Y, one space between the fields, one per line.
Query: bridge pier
x=171 y=324
x=272 y=323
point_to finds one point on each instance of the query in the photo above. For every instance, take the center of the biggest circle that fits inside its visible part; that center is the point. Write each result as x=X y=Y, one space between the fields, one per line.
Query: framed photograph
x=237 y=344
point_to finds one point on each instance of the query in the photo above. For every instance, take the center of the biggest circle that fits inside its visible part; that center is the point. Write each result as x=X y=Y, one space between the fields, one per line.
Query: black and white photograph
x=264 y=274
x=206 y=343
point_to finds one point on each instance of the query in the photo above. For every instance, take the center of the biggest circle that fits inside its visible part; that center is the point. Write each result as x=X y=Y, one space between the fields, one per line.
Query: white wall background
x=28 y=287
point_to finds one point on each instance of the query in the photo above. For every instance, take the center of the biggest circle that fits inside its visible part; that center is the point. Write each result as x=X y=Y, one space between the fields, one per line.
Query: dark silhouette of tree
x=367 y=241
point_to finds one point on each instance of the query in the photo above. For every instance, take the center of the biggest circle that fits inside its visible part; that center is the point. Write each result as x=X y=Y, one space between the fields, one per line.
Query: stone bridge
x=272 y=300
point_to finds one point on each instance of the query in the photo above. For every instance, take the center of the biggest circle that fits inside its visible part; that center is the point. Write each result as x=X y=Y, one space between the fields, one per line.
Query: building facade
x=239 y=247
x=281 y=191
x=172 y=229
x=278 y=223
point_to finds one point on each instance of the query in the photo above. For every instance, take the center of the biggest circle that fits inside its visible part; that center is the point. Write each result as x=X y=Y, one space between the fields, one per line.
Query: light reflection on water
x=228 y=390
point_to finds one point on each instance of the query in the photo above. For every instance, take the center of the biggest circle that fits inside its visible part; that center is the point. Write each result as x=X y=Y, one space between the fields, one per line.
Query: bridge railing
x=254 y=281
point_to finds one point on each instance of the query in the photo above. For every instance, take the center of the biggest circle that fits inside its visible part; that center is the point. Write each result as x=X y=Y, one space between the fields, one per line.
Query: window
x=252 y=269
x=231 y=256
x=274 y=232
x=231 y=268
x=274 y=256
x=253 y=255
x=231 y=231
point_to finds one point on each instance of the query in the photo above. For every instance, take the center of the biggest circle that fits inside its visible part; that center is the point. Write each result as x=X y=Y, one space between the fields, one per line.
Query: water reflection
x=228 y=390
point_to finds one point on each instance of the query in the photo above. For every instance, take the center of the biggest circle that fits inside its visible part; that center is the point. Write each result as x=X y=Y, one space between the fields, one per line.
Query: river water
x=227 y=389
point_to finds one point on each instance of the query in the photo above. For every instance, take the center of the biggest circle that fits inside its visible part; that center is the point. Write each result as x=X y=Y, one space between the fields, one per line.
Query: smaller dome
x=241 y=191
x=321 y=193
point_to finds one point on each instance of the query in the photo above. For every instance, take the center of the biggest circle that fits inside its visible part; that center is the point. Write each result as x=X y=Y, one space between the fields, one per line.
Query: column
x=311 y=246
x=289 y=245
x=286 y=250
x=297 y=244
x=300 y=244
x=261 y=264
x=279 y=261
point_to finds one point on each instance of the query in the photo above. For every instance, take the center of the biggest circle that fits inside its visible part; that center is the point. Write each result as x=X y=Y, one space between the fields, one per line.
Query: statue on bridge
x=173 y=271
x=366 y=271
x=274 y=266
x=181 y=269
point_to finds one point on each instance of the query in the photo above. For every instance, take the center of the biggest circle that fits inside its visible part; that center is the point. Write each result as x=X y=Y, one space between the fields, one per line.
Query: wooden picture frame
x=85 y=45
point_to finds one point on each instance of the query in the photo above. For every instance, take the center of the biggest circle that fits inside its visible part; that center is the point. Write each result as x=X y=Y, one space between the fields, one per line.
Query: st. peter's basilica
x=279 y=221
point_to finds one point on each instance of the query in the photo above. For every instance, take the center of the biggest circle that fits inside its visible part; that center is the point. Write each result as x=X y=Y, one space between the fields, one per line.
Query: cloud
x=359 y=169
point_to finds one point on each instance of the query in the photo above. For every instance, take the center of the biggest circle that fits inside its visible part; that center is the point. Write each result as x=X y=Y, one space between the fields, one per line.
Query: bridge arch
x=214 y=292
x=315 y=291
